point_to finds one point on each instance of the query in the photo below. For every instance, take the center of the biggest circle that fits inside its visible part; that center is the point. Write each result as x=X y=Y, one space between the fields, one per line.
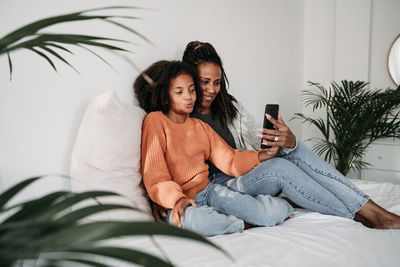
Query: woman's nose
x=210 y=88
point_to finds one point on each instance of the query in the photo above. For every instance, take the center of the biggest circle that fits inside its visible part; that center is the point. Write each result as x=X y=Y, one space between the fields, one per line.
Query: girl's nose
x=188 y=95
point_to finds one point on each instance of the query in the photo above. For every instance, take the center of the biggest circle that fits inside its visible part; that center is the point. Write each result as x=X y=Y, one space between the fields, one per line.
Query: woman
x=307 y=180
x=173 y=166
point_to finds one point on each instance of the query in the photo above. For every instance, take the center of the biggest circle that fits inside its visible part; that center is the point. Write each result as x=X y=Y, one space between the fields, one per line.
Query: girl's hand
x=178 y=211
x=267 y=153
x=157 y=211
x=282 y=136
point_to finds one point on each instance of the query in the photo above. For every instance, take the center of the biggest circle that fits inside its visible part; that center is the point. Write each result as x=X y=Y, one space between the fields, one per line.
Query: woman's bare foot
x=391 y=221
x=361 y=219
x=379 y=217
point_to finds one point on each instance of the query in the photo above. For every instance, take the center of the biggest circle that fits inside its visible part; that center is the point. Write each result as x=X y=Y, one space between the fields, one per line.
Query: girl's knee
x=276 y=210
x=206 y=221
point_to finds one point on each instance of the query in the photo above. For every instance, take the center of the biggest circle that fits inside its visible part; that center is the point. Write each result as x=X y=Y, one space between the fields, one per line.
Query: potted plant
x=355 y=117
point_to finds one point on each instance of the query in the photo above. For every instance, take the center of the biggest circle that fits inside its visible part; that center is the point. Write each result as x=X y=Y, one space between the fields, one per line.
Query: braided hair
x=151 y=87
x=222 y=107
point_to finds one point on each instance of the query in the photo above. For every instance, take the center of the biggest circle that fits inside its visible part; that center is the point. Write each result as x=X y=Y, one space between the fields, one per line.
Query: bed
x=100 y=160
x=309 y=239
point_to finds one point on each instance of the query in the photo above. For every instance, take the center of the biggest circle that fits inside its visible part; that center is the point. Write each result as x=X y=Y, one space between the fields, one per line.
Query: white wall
x=261 y=43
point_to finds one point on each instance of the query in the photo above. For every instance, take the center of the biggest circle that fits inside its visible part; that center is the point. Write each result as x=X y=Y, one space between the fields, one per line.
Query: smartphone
x=271 y=109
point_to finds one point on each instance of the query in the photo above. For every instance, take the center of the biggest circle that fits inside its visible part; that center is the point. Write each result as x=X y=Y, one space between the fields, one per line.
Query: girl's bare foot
x=290 y=217
x=248 y=226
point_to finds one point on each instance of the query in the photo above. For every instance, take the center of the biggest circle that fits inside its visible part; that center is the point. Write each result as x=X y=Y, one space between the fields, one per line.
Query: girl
x=175 y=148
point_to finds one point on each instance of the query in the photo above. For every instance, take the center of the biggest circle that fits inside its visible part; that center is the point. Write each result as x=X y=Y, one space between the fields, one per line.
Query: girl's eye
x=217 y=83
x=192 y=90
x=178 y=92
x=204 y=82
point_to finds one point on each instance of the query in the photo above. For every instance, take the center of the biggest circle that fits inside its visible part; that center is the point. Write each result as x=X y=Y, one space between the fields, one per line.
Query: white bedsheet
x=309 y=239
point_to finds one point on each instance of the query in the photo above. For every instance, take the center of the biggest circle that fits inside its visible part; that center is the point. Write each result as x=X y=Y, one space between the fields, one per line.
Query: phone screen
x=271 y=109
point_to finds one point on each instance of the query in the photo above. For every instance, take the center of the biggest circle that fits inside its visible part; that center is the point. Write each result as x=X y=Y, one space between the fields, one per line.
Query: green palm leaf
x=32 y=209
x=36 y=26
x=30 y=36
x=48 y=228
x=76 y=215
x=130 y=255
x=11 y=192
x=51 y=51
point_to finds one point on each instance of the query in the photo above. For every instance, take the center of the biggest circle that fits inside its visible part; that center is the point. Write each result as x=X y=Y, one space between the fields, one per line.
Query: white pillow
x=106 y=156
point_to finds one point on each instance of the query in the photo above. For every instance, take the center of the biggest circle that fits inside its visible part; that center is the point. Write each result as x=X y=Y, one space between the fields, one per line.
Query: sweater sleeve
x=231 y=161
x=156 y=176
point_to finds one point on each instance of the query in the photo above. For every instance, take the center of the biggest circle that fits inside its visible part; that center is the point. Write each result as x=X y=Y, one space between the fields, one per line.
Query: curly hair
x=222 y=107
x=152 y=85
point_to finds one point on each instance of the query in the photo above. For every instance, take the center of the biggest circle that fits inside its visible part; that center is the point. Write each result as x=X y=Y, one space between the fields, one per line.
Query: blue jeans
x=305 y=179
x=223 y=211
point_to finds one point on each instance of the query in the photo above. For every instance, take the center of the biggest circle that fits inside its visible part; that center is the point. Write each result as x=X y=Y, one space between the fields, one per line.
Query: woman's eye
x=217 y=83
x=204 y=82
x=178 y=92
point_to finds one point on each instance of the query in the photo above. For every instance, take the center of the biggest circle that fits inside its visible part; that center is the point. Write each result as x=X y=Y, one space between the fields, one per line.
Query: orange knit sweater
x=174 y=156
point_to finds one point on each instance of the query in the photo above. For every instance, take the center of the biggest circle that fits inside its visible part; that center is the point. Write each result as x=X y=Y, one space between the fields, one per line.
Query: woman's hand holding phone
x=281 y=136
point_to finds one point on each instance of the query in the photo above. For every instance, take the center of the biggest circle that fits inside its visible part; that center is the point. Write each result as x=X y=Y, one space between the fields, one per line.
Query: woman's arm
x=245 y=129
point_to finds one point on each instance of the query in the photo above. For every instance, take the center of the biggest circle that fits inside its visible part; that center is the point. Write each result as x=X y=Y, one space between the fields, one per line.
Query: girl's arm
x=156 y=177
x=231 y=161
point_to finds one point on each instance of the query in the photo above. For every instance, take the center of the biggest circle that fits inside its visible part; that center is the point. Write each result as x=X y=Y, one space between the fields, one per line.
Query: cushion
x=106 y=156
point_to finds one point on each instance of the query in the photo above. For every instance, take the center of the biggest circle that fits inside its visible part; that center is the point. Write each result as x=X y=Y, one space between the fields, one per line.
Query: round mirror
x=394 y=60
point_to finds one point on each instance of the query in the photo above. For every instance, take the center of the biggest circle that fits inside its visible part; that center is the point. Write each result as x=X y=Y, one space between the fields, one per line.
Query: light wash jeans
x=305 y=179
x=223 y=211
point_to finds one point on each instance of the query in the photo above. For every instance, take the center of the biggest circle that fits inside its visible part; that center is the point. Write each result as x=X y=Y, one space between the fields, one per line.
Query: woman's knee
x=280 y=168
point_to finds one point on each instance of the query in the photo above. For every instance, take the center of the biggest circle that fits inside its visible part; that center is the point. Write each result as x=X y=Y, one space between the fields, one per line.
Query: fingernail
x=259 y=135
x=259 y=129
x=265 y=142
x=267 y=115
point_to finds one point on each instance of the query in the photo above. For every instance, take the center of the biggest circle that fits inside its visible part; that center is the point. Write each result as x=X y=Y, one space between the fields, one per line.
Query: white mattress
x=309 y=239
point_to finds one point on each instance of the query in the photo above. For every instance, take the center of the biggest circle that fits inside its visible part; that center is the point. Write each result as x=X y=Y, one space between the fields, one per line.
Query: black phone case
x=271 y=109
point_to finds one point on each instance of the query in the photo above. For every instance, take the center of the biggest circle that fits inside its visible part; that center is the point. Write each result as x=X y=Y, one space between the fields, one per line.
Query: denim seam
x=207 y=193
x=305 y=196
x=351 y=186
x=358 y=205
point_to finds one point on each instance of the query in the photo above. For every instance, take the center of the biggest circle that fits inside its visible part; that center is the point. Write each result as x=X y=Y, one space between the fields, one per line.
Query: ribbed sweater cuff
x=173 y=199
